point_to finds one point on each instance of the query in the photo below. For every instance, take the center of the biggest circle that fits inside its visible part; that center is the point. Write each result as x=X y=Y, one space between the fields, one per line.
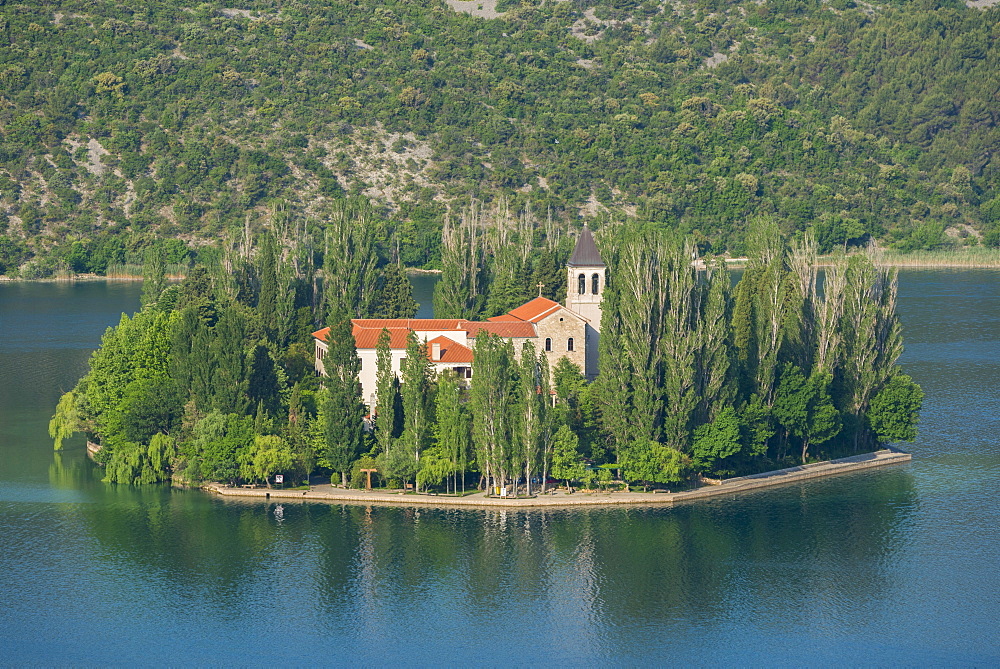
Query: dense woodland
x=213 y=379
x=124 y=124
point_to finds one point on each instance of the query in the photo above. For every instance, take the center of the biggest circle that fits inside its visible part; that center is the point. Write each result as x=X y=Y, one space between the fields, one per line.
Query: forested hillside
x=122 y=123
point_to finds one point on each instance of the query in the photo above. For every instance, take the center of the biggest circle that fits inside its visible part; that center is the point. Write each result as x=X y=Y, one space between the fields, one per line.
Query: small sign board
x=279 y=478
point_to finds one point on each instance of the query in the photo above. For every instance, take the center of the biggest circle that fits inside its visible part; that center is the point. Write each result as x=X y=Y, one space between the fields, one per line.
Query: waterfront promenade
x=328 y=493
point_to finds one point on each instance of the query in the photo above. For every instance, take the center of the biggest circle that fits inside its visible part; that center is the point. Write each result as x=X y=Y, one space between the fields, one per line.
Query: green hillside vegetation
x=123 y=124
x=213 y=379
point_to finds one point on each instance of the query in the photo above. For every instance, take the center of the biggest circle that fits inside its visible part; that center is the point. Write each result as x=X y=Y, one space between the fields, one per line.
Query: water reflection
x=580 y=583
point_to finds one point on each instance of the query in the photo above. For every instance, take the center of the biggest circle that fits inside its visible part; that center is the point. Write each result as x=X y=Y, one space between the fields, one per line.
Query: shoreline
x=900 y=261
x=82 y=278
x=330 y=494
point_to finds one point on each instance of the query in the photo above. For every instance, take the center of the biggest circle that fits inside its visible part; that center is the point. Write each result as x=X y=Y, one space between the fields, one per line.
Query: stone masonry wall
x=560 y=326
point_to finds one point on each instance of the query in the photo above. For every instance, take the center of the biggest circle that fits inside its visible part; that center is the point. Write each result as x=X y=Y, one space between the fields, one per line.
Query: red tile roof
x=502 y=328
x=367 y=330
x=409 y=323
x=368 y=337
x=536 y=310
x=451 y=351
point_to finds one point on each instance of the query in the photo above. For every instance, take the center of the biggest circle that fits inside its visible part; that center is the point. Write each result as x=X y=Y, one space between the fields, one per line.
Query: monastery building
x=569 y=331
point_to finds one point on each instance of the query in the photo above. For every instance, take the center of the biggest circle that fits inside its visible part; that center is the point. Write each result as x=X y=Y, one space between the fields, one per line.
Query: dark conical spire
x=586 y=254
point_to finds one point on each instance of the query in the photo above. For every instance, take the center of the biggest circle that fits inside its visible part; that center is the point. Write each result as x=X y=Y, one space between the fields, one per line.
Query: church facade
x=569 y=331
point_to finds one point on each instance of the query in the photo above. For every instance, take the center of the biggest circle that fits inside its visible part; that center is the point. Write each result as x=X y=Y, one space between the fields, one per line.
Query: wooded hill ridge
x=122 y=124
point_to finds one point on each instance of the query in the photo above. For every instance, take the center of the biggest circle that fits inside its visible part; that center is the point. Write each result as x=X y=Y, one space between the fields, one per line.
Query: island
x=654 y=372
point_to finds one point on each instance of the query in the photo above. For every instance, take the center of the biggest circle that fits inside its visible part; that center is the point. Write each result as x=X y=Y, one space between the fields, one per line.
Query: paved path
x=328 y=493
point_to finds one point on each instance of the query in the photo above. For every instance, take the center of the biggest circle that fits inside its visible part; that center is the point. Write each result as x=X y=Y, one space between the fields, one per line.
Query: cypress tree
x=263 y=381
x=342 y=408
x=229 y=380
x=395 y=299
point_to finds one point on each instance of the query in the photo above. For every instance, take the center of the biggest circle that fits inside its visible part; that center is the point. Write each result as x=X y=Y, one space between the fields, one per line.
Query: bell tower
x=586 y=274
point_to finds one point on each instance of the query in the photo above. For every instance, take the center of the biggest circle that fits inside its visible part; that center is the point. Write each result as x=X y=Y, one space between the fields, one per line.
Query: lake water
x=893 y=567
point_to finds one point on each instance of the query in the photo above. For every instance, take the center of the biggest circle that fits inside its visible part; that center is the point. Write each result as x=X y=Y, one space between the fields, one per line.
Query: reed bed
x=974 y=257
x=129 y=271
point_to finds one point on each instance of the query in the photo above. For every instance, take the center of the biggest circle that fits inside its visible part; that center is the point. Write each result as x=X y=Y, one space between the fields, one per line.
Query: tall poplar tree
x=154 y=275
x=535 y=408
x=871 y=336
x=680 y=342
x=631 y=365
x=459 y=292
x=350 y=265
x=493 y=400
x=386 y=391
x=416 y=390
x=714 y=384
x=267 y=285
x=452 y=425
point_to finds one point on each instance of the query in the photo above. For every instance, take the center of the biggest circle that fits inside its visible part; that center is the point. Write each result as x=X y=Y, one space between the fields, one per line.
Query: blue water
x=891 y=567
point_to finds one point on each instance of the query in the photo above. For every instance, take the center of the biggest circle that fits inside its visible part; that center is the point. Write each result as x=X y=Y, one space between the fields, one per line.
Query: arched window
x=548 y=344
x=569 y=344
x=595 y=282
x=583 y=284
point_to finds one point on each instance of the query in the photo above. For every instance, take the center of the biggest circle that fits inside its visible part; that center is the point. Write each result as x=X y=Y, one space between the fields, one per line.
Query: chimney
x=435 y=351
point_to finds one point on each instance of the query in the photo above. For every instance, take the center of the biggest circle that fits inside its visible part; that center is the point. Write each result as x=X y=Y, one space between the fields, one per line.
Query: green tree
x=647 y=461
x=417 y=393
x=218 y=440
x=386 y=394
x=452 y=425
x=341 y=408
x=229 y=379
x=716 y=441
x=493 y=402
x=138 y=464
x=435 y=468
x=534 y=403
x=804 y=407
x=567 y=461
x=870 y=331
x=395 y=298
x=263 y=380
x=154 y=275
x=350 y=264
x=265 y=457
x=66 y=421
x=895 y=410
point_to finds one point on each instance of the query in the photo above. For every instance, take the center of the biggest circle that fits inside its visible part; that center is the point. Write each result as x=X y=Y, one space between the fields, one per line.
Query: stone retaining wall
x=479 y=500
